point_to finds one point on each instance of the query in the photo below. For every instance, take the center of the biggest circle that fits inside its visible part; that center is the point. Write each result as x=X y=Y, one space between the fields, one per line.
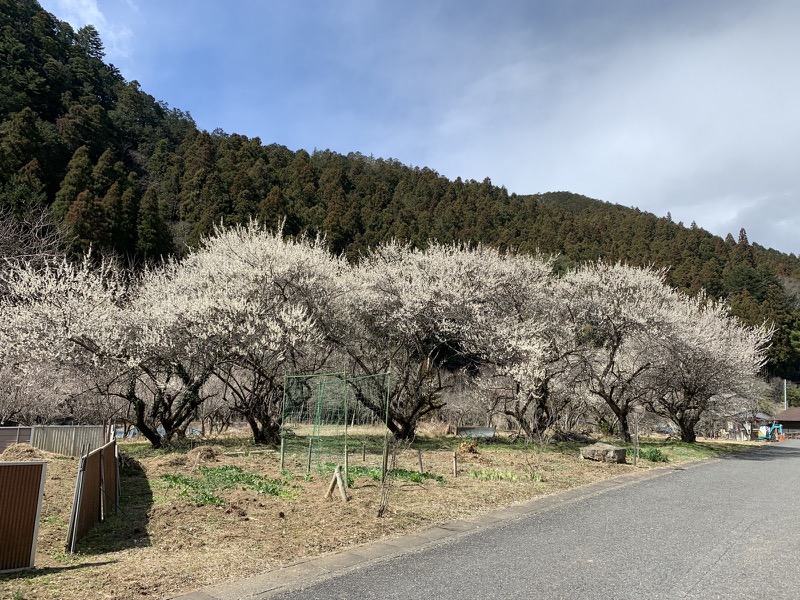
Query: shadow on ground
x=42 y=571
x=128 y=528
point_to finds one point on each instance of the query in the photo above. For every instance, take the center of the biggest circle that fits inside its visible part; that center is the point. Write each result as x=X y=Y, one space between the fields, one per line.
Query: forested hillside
x=124 y=173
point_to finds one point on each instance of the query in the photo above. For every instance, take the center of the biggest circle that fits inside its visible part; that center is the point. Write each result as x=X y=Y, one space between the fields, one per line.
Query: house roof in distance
x=790 y=414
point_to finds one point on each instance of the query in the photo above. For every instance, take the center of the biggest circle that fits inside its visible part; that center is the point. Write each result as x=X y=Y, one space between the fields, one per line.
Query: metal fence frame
x=14 y=435
x=68 y=440
x=328 y=411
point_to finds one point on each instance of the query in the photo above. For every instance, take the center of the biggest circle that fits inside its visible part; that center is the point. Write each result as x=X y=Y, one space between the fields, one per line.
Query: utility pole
x=785 y=402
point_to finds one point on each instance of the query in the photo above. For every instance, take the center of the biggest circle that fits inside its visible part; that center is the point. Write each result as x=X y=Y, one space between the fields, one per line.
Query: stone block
x=604 y=453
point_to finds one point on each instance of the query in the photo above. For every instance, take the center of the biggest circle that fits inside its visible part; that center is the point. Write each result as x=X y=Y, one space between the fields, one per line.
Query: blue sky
x=683 y=106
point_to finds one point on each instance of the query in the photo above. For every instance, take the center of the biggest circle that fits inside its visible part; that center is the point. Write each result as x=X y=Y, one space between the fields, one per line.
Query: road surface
x=726 y=528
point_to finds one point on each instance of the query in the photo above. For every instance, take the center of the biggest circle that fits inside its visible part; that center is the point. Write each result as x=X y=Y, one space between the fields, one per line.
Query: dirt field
x=226 y=510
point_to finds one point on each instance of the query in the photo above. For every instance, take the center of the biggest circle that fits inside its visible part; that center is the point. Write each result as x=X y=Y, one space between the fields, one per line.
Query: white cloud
x=681 y=106
x=116 y=38
x=693 y=117
x=80 y=12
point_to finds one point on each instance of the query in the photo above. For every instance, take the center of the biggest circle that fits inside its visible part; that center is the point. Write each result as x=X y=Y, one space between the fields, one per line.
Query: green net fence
x=330 y=419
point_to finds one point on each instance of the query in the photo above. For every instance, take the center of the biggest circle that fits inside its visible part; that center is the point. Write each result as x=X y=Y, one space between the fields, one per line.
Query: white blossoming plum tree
x=419 y=314
x=529 y=345
x=258 y=301
x=63 y=319
x=616 y=313
x=704 y=357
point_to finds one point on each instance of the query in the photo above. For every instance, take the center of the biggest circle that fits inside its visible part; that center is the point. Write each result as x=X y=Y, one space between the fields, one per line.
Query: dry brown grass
x=164 y=542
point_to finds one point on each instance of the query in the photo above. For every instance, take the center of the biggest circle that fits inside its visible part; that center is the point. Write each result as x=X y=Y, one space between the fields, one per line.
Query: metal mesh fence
x=330 y=419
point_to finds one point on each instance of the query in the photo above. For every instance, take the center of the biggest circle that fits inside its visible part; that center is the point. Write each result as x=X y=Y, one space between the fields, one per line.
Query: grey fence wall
x=69 y=440
x=14 y=435
x=21 y=492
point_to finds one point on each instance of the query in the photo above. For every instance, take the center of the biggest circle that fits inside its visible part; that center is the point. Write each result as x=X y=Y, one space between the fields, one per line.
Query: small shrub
x=468 y=448
x=653 y=455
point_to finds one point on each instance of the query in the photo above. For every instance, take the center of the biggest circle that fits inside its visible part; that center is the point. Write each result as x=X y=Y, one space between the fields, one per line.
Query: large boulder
x=604 y=453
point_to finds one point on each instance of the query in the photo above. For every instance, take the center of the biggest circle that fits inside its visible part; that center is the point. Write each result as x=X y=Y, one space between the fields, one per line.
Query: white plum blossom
x=704 y=357
x=250 y=305
x=615 y=312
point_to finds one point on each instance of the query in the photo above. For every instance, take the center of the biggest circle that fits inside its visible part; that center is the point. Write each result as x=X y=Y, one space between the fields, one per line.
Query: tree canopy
x=247 y=306
x=125 y=174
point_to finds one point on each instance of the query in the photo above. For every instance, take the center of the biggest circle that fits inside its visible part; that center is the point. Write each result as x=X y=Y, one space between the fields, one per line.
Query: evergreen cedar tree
x=126 y=174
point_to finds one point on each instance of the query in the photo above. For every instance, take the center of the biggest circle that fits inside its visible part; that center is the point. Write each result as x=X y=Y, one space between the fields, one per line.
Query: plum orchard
x=229 y=320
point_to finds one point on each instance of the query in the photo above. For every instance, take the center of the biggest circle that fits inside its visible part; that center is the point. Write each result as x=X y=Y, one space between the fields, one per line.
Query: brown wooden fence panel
x=14 y=435
x=21 y=491
x=95 y=492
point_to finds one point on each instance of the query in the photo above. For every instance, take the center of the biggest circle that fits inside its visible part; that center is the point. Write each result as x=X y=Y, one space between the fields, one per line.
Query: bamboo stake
x=337 y=479
x=342 y=489
x=331 y=486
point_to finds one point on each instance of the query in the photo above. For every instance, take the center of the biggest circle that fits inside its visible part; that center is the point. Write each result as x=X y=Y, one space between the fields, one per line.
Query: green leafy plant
x=204 y=490
x=375 y=474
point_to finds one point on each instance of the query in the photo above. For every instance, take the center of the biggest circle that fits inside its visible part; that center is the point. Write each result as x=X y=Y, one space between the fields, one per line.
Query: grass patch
x=493 y=475
x=374 y=473
x=653 y=455
x=204 y=490
x=697 y=450
x=677 y=451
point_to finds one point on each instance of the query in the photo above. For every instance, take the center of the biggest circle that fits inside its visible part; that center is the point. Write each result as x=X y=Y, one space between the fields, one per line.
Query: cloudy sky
x=682 y=106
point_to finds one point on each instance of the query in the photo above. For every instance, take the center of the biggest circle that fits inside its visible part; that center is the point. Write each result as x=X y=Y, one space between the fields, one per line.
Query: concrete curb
x=312 y=570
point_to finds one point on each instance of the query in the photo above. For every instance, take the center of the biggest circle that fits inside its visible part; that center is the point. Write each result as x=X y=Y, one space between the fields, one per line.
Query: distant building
x=790 y=419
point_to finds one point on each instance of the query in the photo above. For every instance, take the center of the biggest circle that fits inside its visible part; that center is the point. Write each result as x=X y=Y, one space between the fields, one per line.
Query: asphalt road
x=727 y=528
